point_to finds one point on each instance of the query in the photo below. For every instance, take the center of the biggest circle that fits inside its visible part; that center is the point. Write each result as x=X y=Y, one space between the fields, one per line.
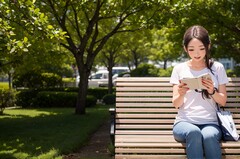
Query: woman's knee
x=185 y=131
x=211 y=133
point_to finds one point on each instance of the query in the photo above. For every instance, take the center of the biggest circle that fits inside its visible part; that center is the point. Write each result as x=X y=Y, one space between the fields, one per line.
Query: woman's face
x=196 y=50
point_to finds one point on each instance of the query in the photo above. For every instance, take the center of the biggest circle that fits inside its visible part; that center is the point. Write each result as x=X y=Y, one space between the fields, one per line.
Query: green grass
x=4 y=85
x=69 y=79
x=46 y=133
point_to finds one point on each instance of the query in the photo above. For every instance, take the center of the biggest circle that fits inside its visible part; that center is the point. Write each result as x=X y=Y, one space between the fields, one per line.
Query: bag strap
x=218 y=107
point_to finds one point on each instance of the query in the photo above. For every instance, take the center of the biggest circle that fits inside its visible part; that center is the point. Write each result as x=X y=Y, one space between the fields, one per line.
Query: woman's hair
x=200 y=33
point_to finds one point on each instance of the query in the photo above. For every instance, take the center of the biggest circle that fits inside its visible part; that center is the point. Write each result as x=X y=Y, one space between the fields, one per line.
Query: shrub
x=36 y=98
x=55 y=99
x=37 y=80
x=109 y=99
x=231 y=73
x=25 y=98
x=7 y=99
x=29 y=79
x=97 y=92
x=91 y=101
x=145 y=70
x=165 y=72
x=51 y=80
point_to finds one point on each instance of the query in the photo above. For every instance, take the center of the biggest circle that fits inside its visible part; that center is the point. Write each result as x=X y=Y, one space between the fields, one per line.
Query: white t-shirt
x=195 y=108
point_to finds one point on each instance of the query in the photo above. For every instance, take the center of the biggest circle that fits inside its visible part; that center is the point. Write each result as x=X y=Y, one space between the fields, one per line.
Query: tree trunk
x=10 y=80
x=82 y=93
x=165 y=65
x=110 y=84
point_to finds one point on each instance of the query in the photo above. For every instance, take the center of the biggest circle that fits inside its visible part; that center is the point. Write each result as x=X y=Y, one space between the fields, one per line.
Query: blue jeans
x=199 y=139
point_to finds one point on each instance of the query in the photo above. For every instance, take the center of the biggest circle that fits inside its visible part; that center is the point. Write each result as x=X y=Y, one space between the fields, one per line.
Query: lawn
x=4 y=85
x=47 y=133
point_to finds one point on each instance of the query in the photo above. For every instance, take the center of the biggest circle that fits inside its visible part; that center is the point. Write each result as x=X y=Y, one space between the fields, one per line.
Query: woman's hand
x=182 y=88
x=208 y=83
x=179 y=90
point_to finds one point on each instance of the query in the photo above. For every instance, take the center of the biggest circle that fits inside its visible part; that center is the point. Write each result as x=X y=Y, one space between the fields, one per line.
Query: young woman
x=196 y=122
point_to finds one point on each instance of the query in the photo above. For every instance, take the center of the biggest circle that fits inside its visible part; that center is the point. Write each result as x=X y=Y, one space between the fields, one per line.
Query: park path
x=97 y=147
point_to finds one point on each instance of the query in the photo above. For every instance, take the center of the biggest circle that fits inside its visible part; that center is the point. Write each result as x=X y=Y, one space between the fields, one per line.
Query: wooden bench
x=144 y=115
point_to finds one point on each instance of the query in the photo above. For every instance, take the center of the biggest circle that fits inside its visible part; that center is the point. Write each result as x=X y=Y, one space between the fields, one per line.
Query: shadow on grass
x=7 y=156
x=55 y=131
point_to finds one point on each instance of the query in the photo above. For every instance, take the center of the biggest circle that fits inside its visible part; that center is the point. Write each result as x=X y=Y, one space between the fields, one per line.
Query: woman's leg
x=191 y=135
x=211 y=137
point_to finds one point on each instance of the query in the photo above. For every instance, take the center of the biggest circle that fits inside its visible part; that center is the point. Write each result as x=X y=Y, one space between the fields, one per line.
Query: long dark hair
x=200 y=33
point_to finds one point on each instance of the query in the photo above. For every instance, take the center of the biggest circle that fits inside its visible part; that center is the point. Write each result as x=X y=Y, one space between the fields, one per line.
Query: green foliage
x=4 y=85
x=30 y=97
x=36 y=79
x=237 y=71
x=164 y=46
x=109 y=99
x=165 y=72
x=231 y=73
x=7 y=99
x=218 y=17
x=25 y=98
x=98 y=92
x=145 y=70
x=53 y=98
x=51 y=80
x=91 y=101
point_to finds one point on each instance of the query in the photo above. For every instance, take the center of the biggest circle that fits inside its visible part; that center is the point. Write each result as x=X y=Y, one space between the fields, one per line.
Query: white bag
x=227 y=125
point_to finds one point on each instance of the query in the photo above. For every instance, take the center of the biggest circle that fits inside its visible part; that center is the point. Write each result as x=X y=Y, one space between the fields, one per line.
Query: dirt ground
x=97 y=147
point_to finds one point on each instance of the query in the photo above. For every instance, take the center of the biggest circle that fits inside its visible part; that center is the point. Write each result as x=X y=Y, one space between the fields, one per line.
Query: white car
x=100 y=78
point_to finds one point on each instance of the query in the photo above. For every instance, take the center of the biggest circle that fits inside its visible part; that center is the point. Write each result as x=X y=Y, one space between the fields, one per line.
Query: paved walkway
x=97 y=147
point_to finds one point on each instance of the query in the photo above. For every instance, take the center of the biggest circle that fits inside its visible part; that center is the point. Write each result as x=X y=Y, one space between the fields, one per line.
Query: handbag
x=227 y=125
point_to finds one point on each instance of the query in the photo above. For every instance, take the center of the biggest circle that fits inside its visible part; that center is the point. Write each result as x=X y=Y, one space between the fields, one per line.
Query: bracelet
x=214 y=90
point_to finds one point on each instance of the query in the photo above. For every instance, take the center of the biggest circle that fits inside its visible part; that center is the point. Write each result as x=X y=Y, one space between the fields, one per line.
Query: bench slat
x=144 y=99
x=138 y=89
x=145 y=132
x=150 y=157
x=227 y=144
x=145 y=121
x=146 y=116
x=137 y=104
x=140 y=126
x=159 y=110
x=164 y=156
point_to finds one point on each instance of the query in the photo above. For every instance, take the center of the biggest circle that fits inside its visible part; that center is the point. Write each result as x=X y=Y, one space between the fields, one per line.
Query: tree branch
x=76 y=21
x=90 y=27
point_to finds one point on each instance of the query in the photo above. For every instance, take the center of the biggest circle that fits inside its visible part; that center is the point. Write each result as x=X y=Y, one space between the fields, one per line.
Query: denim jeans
x=199 y=139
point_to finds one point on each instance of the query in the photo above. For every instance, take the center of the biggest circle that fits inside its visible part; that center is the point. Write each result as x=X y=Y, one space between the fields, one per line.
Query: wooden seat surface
x=144 y=117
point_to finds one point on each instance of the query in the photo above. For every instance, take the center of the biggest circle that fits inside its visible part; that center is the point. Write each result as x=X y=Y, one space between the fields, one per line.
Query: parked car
x=125 y=74
x=100 y=78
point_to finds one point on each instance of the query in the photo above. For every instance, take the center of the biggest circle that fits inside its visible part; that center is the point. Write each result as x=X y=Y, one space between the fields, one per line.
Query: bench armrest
x=112 y=124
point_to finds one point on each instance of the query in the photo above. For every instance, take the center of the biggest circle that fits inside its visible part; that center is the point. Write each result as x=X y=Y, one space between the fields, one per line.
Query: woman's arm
x=220 y=96
x=179 y=92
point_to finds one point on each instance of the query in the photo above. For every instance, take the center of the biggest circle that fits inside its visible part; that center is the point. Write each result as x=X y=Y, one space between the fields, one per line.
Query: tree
x=82 y=27
x=20 y=21
x=109 y=57
x=220 y=18
x=85 y=24
x=136 y=47
x=163 y=47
